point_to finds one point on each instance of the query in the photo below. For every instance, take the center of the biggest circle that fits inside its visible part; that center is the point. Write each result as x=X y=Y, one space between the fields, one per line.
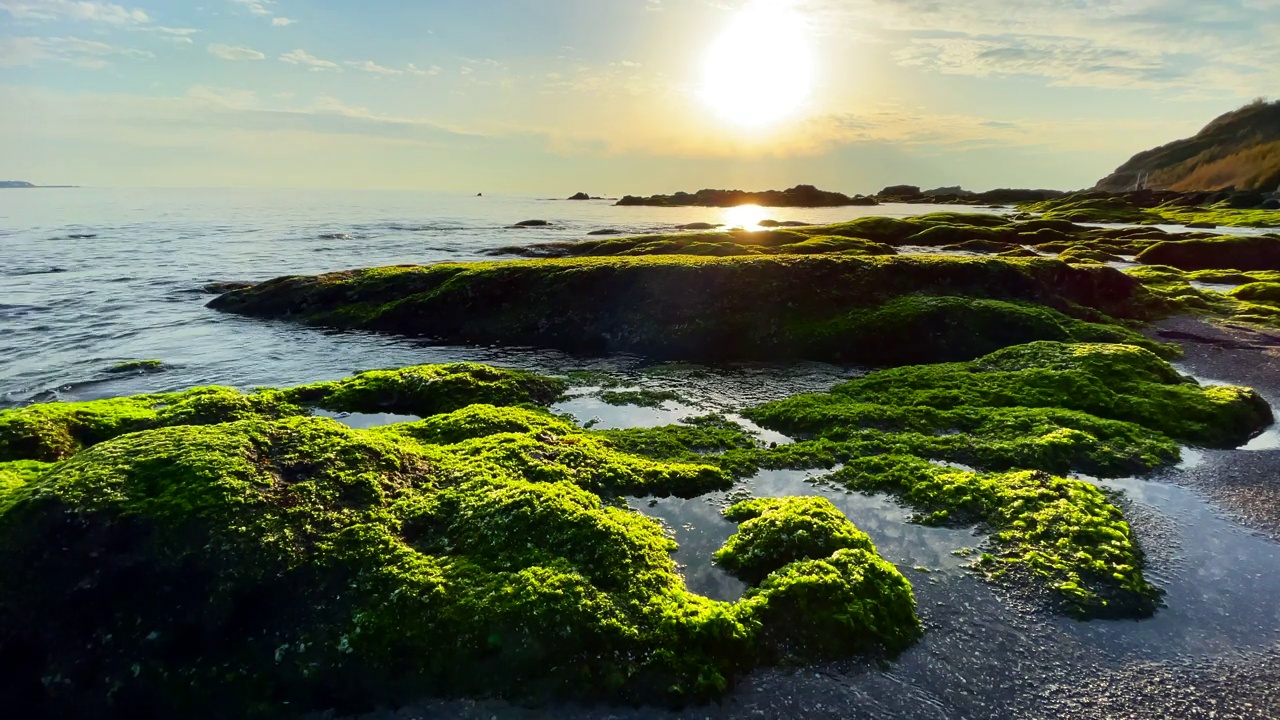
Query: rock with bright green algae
x=1083 y=254
x=1060 y=534
x=645 y=397
x=818 y=586
x=428 y=389
x=814 y=306
x=819 y=609
x=54 y=431
x=775 y=532
x=1111 y=382
x=1174 y=290
x=137 y=366
x=1229 y=252
x=229 y=569
x=57 y=430
x=16 y=475
x=1258 y=292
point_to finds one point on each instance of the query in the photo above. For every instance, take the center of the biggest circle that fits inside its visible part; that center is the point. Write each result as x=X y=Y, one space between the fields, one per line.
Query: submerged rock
x=137 y=367
x=531 y=223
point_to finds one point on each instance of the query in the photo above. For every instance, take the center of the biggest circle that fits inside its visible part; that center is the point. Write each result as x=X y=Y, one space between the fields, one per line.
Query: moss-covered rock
x=1230 y=252
x=775 y=532
x=1084 y=254
x=54 y=431
x=1098 y=408
x=826 y=307
x=818 y=609
x=1063 y=535
x=1258 y=292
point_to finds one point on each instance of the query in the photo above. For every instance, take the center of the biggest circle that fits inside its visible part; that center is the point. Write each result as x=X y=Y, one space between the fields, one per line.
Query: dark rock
x=606 y=231
x=798 y=196
x=582 y=196
x=782 y=223
x=531 y=223
x=217 y=288
x=1201 y=225
x=698 y=226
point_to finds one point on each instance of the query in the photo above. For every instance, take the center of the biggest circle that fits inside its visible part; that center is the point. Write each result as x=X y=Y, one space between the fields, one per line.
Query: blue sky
x=555 y=96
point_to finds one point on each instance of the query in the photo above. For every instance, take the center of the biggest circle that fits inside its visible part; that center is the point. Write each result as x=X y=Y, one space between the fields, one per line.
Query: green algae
x=775 y=532
x=645 y=397
x=1085 y=254
x=1229 y=252
x=1060 y=534
x=1174 y=290
x=54 y=431
x=428 y=389
x=1258 y=292
x=818 y=609
x=330 y=568
x=1108 y=394
x=1099 y=207
x=137 y=366
x=822 y=307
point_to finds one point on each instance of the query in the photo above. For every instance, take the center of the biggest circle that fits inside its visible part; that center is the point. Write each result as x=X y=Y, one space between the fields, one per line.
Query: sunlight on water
x=747 y=217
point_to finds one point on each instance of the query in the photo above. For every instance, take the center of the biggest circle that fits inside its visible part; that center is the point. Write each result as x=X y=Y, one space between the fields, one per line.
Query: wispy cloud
x=92 y=54
x=415 y=70
x=370 y=66
x=262 y=8
x=306 y=59
x=234 y=52
x=74 y=10
x=1176 y=46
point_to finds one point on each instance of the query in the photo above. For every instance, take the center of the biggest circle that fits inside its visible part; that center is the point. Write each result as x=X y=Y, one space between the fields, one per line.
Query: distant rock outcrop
x=1239 y=150
x=798 y=196
x=957 y=195
x=15 y=184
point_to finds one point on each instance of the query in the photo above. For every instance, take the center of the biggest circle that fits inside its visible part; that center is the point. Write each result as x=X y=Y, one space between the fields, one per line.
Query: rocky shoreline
x=471 y=543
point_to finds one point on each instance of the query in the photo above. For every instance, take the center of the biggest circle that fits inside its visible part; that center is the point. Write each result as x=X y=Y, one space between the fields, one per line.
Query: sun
x=760 y=70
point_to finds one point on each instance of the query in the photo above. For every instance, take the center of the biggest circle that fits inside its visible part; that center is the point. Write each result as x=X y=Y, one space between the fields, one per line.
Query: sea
x=92 y=277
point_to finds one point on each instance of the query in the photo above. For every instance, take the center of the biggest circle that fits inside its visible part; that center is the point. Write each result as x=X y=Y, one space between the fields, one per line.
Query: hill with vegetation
x=1240 y=149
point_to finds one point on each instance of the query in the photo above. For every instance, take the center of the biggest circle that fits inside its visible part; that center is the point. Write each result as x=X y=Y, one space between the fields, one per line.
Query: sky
x=611 y=97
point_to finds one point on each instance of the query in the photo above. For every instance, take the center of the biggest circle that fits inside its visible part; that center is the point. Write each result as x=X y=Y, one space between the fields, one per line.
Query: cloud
x=415 y=70
x=370 y=66
x=302 y=57
x=1179 y=47
x=109 y=13
x=92 y=54
x=234 y=52
x=282 y=21
x=172 y=34
x=256 y=7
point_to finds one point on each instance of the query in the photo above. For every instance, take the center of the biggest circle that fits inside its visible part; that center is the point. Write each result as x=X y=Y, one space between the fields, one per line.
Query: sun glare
x=747 y=217
x=760 y=70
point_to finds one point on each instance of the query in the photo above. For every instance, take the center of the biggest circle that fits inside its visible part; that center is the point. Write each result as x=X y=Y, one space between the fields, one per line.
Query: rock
x=582 y=196
x=782 y=223
x=1234 y=252
x=798 y=196
x=217 y=288
x=698 y=226
x=605 y=231
x=531 y=223
x=1201 y=225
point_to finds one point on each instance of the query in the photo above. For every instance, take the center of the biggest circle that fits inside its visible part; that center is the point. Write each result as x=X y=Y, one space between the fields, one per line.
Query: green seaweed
x=137 y=366
x=1060 y=533
x=644 y=397
x=821 y=307
x=775 y=532
x=54 y=431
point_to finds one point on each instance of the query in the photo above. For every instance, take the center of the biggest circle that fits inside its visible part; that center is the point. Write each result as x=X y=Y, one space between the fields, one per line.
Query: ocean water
x=91 y=277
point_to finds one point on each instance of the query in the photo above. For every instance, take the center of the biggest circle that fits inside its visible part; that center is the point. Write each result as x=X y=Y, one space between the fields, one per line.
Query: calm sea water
x=91 y=277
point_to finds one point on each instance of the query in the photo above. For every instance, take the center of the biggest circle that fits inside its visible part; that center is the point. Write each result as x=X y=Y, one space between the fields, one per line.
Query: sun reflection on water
x=747 y=217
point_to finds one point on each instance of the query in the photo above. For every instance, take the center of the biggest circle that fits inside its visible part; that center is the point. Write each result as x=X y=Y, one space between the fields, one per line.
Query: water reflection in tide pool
x=700 y=529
